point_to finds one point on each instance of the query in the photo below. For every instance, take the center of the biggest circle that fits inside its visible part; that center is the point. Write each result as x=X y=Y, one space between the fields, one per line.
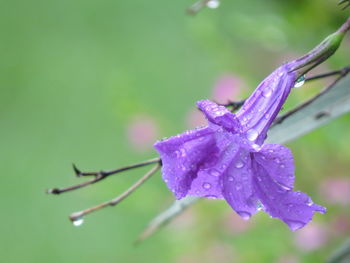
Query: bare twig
x=99 y=176
x=342 y=73
x=79 y=215
x=162 y=219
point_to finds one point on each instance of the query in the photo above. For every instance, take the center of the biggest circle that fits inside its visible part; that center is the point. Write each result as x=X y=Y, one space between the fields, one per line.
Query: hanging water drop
x=78 y=221
x=300 y=82
x=244 y=215
x=213 y=4
x=294 y=225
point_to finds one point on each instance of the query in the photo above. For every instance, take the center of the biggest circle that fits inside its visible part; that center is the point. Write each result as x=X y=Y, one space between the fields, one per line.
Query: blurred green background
x=75 y=74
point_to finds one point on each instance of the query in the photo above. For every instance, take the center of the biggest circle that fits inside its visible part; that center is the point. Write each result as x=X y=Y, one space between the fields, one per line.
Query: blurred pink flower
x=226 y=88
x=336 y=190
x=234 y=224
x=311 y=237
x=340 y=225
x=220 y=252
x=142 y=132
x=195 y=119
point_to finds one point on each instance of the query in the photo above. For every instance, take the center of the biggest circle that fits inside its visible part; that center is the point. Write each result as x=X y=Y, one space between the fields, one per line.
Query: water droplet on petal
x=244 y=215
x=213 y=4
x=252 y=135
x=78 y=221
x=230 y=178
x=294 y=224
x=214 y=172
x=282 y=166
x=277 y=160
x=259 y=206
x=223 y=167
x=183 y=152
x=310 y=203
x=207 y=186
x=256 y=147
x=238 y=187
x=239 y=164
x=267 y=92
x=300 y=82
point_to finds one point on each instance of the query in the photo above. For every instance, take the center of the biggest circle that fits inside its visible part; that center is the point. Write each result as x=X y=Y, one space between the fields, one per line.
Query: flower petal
x=219 y=115
x=278 y=162
x=238 y=189
x=209 y=182
x=262 y=107
x=183 y=155
x=296 y=209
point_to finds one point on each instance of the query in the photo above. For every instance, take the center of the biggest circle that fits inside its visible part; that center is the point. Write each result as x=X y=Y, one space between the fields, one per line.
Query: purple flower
x=228 y=159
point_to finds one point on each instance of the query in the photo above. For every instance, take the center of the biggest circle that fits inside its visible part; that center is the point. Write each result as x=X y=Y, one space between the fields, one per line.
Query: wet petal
x=262 y=107
x=278 y=162
x=219 y=115
x=209 y=181
x=296 y=209
x=238 y=189
x=183 y=155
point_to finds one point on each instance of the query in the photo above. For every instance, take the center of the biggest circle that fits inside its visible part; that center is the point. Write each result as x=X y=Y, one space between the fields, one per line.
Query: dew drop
x=252 y=135
x=277 y=160
x=78 y=222
x=239 y=164
x=213 y=4
x=238 y=187
x=256 y=147
x=214 y=172
x=300 y=82
x=282 y=166
x=309 y=202
x=294 y=224
x=230 y=179
x=267 y=92
x=244 y=215
x=207 y=186
x=259 y=206
x=183 y=152
x=223 y=167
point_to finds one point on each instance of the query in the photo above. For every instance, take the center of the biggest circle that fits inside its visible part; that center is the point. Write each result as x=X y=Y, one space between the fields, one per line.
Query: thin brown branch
x=79 y=215
x=342 y=73
x=99 y=176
